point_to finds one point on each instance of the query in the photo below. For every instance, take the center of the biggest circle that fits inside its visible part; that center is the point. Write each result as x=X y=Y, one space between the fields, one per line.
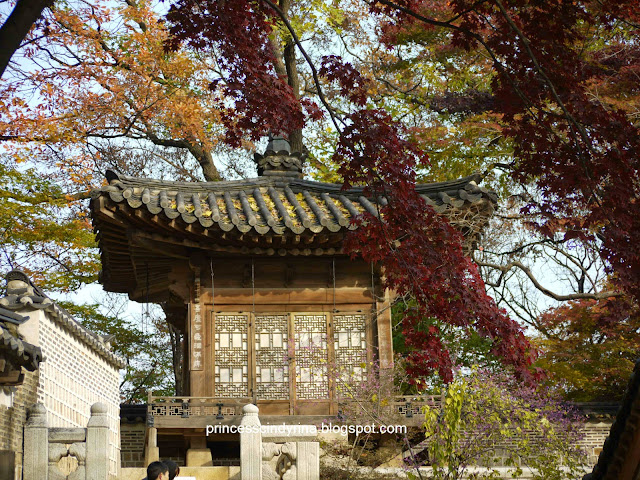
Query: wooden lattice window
x=262 y=367
x=312 y=380
x=272 y=356
x=350 y=342
x=231 y=356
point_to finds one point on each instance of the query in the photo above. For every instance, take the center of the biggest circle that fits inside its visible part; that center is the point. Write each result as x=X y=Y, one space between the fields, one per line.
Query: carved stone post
x=97 y=462
x=308 y=462
x=56 y=452
x=36 y=444
x=79 y=450
x=250 y=444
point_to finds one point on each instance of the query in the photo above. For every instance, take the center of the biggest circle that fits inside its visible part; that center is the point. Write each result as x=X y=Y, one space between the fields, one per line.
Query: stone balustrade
x=66 y=453
x=268 y=454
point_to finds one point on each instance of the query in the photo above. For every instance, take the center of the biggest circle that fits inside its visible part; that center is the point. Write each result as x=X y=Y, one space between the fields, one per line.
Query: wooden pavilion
x=254 y=273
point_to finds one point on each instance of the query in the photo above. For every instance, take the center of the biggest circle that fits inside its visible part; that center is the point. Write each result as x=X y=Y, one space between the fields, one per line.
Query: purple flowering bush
x=489 y=419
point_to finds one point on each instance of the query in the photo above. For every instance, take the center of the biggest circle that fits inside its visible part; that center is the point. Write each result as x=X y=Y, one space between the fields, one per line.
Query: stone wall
x=132 y=441
x=72 y=378
x=596 y=432
x=13 y=416
x=78 y=370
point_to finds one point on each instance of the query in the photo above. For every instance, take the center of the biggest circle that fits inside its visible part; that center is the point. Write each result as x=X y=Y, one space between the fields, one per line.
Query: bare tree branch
x=556 y=296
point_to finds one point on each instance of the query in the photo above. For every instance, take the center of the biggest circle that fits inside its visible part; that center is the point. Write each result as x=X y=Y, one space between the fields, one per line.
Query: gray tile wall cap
x=39 y=301
x=22 y=354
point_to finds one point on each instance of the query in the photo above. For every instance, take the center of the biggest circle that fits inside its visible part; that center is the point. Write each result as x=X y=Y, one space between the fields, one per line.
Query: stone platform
x=201 y=473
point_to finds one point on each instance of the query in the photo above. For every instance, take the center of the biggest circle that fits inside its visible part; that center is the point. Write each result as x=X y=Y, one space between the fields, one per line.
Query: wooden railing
x=408 y=406
x=411 y=406
x=185 y=406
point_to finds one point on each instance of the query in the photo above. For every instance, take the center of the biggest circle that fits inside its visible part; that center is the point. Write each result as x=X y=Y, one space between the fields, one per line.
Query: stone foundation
x=201 y=473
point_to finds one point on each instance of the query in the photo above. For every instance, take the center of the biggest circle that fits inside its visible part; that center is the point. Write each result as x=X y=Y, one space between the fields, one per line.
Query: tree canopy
x=590 y=346
x=578 y=151
x=541 y=97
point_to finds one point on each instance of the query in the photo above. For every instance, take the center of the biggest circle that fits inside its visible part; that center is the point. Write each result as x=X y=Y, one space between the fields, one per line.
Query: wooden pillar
x=151 y=451
x=385 y=335
x=198 y=454
x=197 y=337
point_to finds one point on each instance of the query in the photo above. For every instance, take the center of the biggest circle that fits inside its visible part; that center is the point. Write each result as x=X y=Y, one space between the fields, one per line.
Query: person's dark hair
x=173 y=467
x=155 y=469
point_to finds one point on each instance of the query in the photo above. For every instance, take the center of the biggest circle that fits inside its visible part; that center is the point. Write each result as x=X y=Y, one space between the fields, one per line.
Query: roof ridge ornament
x=18 y=283
x=278 y=160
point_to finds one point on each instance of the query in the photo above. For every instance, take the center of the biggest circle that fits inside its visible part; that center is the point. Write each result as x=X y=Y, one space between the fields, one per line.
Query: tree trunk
x=177 y=315
x=295 y=137
x=293 y=79
x=17 y=26
x=205 y=159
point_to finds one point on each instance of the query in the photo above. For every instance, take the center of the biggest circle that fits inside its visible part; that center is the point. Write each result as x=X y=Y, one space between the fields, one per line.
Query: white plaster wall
x=72 y=378
x=6 y=399
x=30 y=329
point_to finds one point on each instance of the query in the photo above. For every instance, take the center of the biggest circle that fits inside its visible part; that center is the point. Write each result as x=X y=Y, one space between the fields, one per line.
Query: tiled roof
x=272 y=204
x=31 y=297
x=143 y=225
x=11 y=317
x=133 y=413
x=18 y=352
x=597 y=409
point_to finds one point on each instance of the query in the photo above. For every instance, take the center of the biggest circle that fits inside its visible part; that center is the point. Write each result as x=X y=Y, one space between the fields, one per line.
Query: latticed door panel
x=350 y=343
x=271 y=333
x=312 y=380
x=273 y=347
x=231 y=356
